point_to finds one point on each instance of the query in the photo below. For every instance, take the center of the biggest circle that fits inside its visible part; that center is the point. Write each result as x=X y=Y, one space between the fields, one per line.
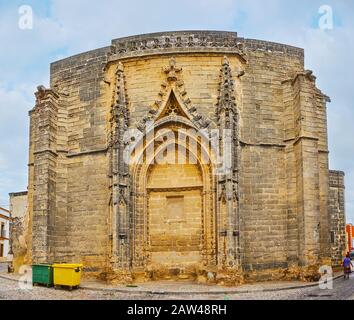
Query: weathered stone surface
x=270 y=209
x=337 y=214
x=19 y=229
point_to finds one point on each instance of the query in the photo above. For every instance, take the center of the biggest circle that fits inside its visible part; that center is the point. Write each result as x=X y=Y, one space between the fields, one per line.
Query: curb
x=163 y=292
x=8 y=278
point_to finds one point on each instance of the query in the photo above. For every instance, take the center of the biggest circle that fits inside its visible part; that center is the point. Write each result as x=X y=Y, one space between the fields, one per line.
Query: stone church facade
x=198 y=155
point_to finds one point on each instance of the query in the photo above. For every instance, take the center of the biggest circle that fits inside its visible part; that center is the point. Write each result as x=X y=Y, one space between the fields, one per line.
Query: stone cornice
x=300 y=138
x=262 y=144
x=83 y=153
x=45 y=151
x=221 y=42
x=211 y=42
x=177 y=42
x=175 y=189
x=175 y=52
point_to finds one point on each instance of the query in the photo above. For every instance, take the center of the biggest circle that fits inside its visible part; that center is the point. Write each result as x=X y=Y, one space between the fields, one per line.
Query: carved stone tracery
x=174 y=85
x=228 y=124
x=120 y=180
x=174 y=42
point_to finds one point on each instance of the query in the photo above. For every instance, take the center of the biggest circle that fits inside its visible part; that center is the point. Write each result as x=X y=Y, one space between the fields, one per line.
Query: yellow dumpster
x=68 y=275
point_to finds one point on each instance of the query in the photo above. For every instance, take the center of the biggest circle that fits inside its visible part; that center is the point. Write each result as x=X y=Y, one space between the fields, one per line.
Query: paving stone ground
x=342 y=290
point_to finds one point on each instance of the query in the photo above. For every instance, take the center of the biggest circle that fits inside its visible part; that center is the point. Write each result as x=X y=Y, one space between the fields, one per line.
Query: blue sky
x=62 y=28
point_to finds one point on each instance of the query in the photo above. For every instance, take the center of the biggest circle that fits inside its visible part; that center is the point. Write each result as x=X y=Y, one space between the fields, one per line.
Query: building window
x=1 y=250
x=2 y=230
x=332 y=236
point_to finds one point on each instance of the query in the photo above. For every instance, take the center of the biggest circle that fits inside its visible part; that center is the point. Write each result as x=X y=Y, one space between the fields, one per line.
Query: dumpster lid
x=42 y=265
x=67 y=265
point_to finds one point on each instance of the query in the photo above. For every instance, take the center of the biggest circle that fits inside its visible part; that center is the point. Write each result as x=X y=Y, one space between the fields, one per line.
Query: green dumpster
x=42 y=274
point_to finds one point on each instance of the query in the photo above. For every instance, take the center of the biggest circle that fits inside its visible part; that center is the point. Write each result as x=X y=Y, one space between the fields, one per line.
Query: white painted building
x=5 y=217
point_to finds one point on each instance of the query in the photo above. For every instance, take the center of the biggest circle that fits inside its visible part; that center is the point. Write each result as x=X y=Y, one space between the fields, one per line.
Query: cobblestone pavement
x=342 y=290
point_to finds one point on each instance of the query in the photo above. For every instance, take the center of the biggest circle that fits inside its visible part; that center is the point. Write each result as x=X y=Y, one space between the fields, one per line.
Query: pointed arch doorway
x=174 y=196
x=175 y=214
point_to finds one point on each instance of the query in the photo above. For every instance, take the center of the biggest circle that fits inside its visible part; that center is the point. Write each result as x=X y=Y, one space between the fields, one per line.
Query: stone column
x=228 y=211
x=306 y=159
x=307 y=167
x=121 y=194
x=44 y=116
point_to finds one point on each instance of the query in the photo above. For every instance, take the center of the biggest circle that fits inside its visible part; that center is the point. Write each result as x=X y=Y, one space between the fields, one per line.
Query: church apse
x=184 y=155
